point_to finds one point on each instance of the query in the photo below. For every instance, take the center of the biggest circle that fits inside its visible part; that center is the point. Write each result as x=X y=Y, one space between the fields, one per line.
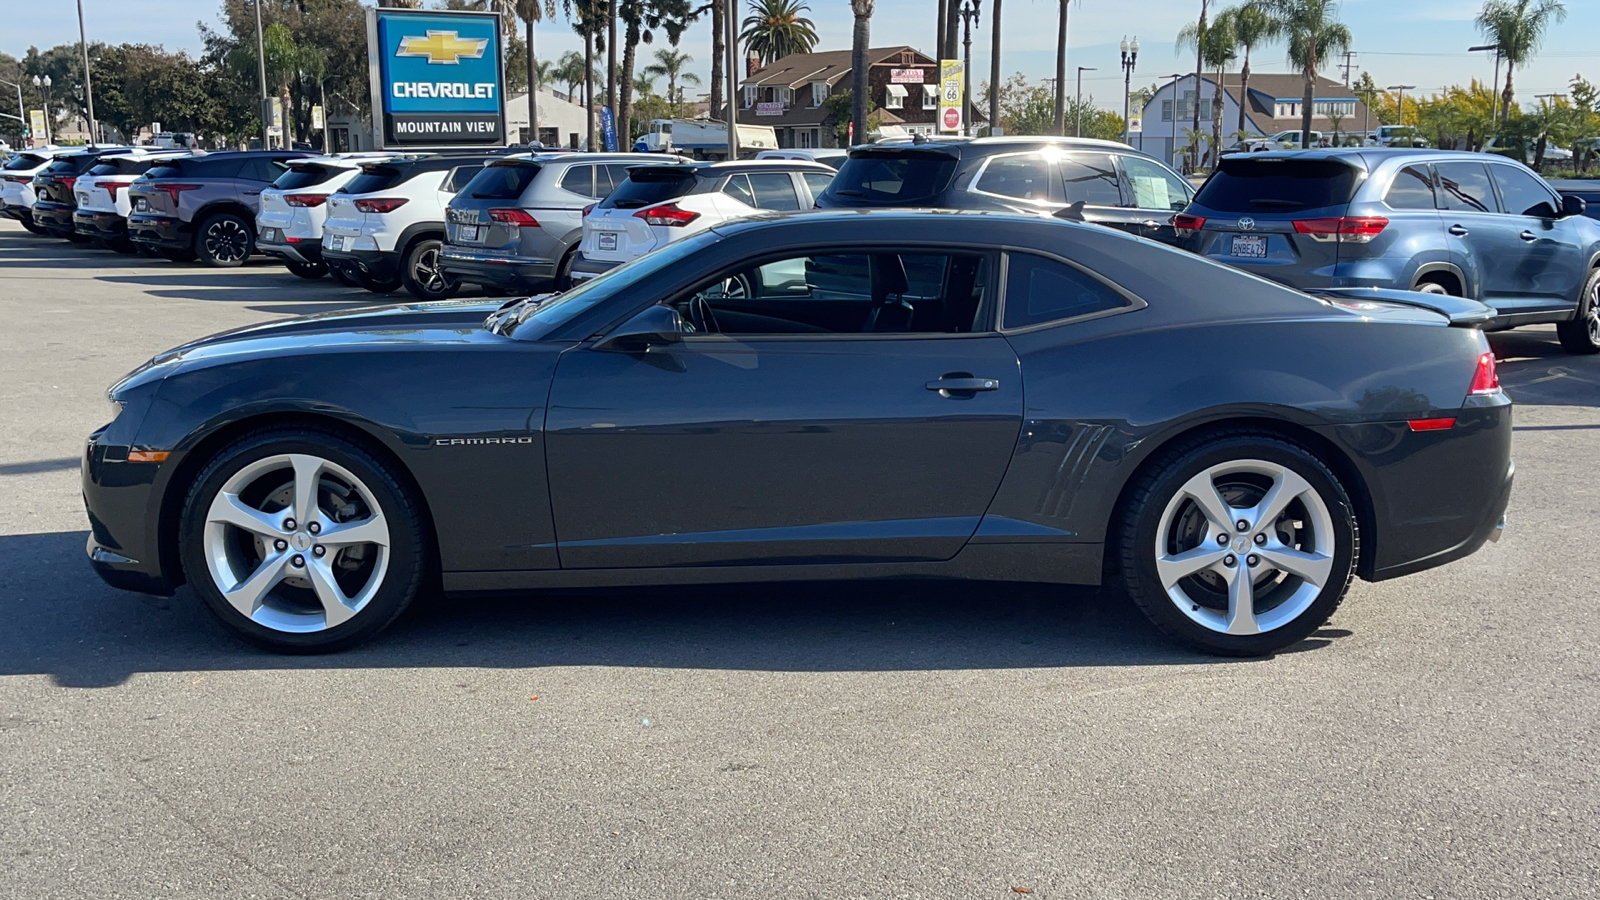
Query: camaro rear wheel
x=302 y=542
x=1239 y=546
x=224 y=240
x=424 y=275
x=1582 y=334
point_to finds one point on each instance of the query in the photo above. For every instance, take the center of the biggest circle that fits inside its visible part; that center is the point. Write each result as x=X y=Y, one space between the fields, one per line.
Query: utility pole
x=1494 y=90
x=1402 y=88
x=1077 y=128
x=261 y=63
x=1349 y=56
x=88 y=89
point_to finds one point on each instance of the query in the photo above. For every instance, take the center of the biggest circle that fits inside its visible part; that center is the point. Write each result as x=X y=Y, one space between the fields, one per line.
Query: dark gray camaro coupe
x=821 y=395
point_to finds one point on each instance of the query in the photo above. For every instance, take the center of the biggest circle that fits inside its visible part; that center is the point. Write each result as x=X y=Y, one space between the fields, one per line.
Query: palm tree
x=531 y=11
x=1252 y=27
x=1061 y=67
x=1518 y=26
x=775 y=29
x=719 y=50
x=860 y=36
x=569 y=71
x=1217 y=50
x=1199 y=67
x=1315 y=36
x=669 y=64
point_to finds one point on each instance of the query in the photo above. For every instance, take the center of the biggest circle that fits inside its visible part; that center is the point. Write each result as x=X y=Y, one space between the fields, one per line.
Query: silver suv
x=516 y=225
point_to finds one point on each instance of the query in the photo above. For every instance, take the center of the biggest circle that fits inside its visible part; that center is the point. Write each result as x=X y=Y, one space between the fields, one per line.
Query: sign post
x=436 y=78
x=951 y=96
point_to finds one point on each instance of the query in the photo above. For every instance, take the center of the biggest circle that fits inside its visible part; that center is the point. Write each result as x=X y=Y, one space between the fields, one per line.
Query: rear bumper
x=55 y=218
x=306 y=251
x=584 y=268
x=511 y=272
x=371 y=263
x=107 y=225
x=159 y=231
x=13 y=211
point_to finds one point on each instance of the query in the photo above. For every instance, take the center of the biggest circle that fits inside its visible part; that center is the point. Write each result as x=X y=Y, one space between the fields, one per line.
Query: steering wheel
x=701 y=316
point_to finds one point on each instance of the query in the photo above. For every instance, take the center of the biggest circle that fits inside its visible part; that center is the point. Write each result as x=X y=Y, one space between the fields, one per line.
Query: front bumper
x=584 y=268
x=159 y=231
x=510 y=272
x=123 y=548
x=106 y=225
x=55 y=218
x=375 y=264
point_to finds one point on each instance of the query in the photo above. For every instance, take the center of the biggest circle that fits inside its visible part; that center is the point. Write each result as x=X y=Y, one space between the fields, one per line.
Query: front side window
x=855 y=291
x=1412 y=189
x=1464 y=187
x=1025 y=176
x=1040 y=290
x=1153 y=186
x=1523 y=194
x=1090 y=178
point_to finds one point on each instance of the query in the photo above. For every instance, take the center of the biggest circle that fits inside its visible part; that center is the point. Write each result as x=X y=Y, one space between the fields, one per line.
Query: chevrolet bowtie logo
x=443 y=47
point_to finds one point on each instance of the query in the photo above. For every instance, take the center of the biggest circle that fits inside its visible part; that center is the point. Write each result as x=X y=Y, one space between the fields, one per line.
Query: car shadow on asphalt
x=64 y=623
x=1536 y=371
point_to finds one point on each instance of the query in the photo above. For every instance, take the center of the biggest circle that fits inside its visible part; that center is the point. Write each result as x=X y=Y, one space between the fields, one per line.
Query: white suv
x=102 y=195
x=16 y=183
x=661 y=204
x=385 y=227
x=289 y=225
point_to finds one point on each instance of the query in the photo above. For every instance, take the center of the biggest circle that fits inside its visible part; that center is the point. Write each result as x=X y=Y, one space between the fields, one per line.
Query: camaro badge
x=445 y=48
x=473 y=442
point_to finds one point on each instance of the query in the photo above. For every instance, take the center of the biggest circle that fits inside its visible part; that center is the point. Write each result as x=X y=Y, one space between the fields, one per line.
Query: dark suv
x=204 y=206
x=53 y=186
x=1468 y=224
x=1102 y=182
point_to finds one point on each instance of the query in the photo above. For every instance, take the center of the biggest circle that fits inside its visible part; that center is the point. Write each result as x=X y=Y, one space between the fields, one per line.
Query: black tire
x=1139 y=526
x=123 y=245
x=408 y=539
x=379 y=285
x=343 y=277
x=1582 y=334
x=423 y=273
x=31 y=225
x=77 y=238
x=564 y=271
x=175 y=254
x=307 y=269
x=224 y=240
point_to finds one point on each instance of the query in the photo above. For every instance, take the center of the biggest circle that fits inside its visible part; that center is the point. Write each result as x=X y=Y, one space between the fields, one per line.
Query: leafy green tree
x=1252 y=27
x=1316 y=37
x=777 y=28
x=1217 y=50
x=1518 y=27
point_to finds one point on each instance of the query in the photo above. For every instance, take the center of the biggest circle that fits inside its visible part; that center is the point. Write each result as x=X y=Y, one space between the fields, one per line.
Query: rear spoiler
x=1461 y=311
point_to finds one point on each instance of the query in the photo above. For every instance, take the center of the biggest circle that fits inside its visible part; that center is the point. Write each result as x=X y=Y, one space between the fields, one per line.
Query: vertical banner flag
x=608 y=128
x=952 y=101
x=437 y=77
x=36 y=125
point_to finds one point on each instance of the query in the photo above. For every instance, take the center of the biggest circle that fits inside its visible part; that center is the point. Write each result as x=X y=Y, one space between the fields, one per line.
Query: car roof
x=1374 y=154
x=994 y=144
x=1574 y=186
x=732 y=167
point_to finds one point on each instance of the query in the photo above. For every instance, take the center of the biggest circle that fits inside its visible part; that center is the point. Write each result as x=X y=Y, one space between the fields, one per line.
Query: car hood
x=440 y=322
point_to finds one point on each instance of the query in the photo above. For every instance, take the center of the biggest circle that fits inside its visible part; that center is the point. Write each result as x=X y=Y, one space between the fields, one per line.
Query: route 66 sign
x=951 y=72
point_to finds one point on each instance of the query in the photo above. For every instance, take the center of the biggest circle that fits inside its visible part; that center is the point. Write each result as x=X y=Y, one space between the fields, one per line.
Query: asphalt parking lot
x=1440 y=738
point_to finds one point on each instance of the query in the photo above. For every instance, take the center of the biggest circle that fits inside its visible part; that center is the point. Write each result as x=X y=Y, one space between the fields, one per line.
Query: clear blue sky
x=1420 y=42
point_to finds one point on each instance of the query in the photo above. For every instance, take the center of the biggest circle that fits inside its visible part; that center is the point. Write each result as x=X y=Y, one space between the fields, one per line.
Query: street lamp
x=970 y=10
x=1077 y=128
x=1402 y=88
x=1494 y=92
x=49 y=111
x=1130 y=59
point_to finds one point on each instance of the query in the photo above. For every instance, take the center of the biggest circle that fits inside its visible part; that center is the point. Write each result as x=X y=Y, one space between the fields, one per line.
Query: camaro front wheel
x=302 y=542
x=1240 y=546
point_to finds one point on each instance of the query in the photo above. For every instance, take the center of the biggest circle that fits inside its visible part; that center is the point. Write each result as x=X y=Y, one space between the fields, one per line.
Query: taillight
x=589 y=209
x=1350 y=229
x=1187 y=224
x=305 y=199
x=68 y=183
x=381 y=204
x=670 y=214
x=1485 y=380
x=112 y=187
x=173 y=190
x=514 y=216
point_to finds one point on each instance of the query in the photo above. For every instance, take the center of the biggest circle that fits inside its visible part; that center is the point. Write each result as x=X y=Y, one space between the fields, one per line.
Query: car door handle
x=1529 y=236
x=1459 y=231
x=251 y=193
x=952 y=385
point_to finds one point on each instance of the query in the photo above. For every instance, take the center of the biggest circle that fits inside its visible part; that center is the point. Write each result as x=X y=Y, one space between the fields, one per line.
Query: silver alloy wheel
x=227 y=240
x=1245 y=547
x=1430 y=287
x=296 y=543
x=426 y=271
x=1593 y=315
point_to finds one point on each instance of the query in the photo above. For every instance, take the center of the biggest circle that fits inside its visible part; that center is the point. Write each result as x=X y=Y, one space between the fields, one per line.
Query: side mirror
x=1573 y=206
x=653 y=327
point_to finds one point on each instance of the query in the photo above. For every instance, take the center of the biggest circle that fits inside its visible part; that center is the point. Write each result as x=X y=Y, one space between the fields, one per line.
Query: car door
x=1091 y=178
x=836 y=406
x=1553 y=265
x=1485 y=244
x=1155 y=194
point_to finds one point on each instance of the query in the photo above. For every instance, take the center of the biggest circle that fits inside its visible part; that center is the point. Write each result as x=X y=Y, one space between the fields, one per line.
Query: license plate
x=1249 y=246
x=470 y=233
x=141 y=205
x=606 y=240
x=336 y=242
x=269 y=234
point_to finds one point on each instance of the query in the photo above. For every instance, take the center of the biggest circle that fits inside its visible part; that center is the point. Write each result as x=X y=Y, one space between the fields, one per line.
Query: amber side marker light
x=147 y=455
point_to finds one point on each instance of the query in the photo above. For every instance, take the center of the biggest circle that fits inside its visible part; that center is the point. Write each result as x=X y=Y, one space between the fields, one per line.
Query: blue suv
x=1442 y=222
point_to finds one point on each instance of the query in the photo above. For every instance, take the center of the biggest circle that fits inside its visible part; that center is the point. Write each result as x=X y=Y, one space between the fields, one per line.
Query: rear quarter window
x=1412 y=189
x=1270 y=185
x=1040 y=290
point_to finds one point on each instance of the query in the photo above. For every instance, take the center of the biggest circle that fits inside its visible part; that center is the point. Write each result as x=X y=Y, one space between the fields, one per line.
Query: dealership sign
x=436 y=78
x=905 y=76
x=769 y=109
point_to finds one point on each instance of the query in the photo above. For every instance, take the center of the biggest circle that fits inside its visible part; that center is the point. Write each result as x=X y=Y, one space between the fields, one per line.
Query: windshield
x=1268 y=185
x=538 y=319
